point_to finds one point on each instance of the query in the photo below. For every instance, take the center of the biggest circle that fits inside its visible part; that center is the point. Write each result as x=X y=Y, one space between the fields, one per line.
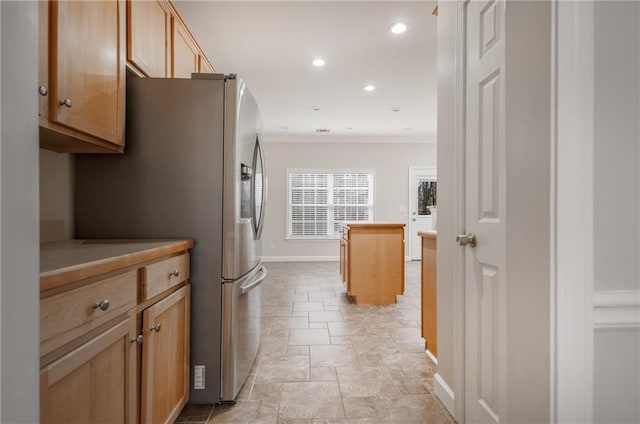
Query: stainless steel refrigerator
x=193 y=168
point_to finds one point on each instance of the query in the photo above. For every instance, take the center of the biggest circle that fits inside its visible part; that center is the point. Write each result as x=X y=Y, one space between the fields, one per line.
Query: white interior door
x=485 y=189
x=422 y=194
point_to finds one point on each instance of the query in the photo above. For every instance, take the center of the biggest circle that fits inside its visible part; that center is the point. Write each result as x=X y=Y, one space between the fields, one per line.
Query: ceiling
x=271 y=46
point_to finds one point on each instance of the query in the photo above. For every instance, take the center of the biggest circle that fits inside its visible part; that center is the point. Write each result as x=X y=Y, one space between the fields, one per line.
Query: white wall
x=19 y=292
x=56 y=195
x=616 y=355
x=447 y=225
x=391 y=162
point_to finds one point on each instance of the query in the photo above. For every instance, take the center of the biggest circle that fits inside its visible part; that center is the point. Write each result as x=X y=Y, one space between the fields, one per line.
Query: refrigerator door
x=241 y=247
x=241 y=328
x=259 y=189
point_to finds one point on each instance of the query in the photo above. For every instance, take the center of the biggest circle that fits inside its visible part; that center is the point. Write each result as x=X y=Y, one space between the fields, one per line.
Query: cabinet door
x=165 y=358
x=148 y=32
x=205 y=67
x=95 y=382
x=185 y=52
x=87 y=68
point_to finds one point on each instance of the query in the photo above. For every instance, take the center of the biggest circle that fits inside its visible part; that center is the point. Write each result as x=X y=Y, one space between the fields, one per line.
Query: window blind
x=318 y=201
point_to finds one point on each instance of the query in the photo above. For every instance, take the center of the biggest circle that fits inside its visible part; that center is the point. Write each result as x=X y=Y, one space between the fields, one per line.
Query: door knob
x=467 y=239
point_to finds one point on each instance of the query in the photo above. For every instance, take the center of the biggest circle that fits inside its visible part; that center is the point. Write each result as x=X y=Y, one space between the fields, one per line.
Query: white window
x=318 y=200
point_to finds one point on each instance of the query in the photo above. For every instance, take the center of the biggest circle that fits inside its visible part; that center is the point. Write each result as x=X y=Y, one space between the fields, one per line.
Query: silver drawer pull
x=174 y=273
x=43 y=90
x=137 y=339
x=66 y=102
x=103 y=305
x=155 y=328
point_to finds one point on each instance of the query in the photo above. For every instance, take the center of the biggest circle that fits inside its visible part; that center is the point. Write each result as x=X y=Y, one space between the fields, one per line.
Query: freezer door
x=241 y=244
x=241 y=326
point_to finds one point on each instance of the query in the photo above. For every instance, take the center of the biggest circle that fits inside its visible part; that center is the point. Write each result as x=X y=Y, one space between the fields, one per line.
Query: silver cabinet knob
x=66 y=102
x=103 y=305
x=174 y=273
x=156 y=328
x=467 y=239
x=137 y=339
x=43 y=90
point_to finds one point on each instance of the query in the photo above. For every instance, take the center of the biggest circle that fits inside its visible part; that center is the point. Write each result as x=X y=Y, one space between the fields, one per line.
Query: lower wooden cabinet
x=429 y=292
x=165 y=358
x=95 y=382
x=114 y=332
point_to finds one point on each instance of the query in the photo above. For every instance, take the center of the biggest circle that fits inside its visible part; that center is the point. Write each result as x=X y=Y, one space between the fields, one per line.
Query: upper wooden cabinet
x=159 y=43
x=149 y=37
x=84 y=77
x=185 y=52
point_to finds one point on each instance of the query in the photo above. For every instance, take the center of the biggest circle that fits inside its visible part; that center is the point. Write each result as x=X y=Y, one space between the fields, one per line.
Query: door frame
x=431 y=170
x=571 y=278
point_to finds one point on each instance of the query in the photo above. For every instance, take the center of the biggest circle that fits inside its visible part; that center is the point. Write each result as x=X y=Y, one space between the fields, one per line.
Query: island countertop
x=63 y=262
x=428 y=234
x=373 y=224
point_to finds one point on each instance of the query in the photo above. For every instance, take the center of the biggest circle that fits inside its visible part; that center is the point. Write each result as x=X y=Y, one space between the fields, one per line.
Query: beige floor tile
x=333 y=356
x=365 y=382
x=309 y=337
x=245 y=412
x=291 y=323
x=326 y=316
x=308 y=306
x=311 y=400
x=323 y=374
x=283 y=369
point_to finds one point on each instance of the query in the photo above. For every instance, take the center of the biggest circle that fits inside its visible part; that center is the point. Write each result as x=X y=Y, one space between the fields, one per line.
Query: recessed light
x=369 y=87
x=398 y=28
x=318 y=63
x=349 y=128
x=284 y=127
x=395 y=109
x=315 y=108
x=407 y=129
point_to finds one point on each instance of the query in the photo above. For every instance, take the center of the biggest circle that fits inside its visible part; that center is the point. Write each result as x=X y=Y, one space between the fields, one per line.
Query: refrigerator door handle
x=253 y=284
x=258 y=163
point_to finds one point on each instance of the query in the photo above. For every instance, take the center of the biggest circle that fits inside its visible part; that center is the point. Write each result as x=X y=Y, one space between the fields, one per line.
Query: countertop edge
x=374 y=224
x=61 y=276
x=428 y=234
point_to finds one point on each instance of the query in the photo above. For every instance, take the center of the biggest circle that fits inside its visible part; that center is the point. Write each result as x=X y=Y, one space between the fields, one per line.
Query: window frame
x=330 y=205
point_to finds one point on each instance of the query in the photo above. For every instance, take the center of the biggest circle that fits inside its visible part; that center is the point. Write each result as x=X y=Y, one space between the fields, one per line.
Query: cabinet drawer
x=68 y=315
x=163 y=275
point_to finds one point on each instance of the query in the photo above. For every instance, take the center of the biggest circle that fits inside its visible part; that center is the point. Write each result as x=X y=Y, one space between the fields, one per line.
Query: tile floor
x=325 y=360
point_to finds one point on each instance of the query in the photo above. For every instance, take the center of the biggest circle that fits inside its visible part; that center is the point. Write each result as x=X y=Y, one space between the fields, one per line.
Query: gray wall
x=391 y=162
x=56 y=195
x=19 y=292
x=617 y=203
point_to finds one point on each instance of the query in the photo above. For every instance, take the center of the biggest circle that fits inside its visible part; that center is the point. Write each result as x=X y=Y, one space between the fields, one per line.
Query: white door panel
x=485 y=288
x=421 y=195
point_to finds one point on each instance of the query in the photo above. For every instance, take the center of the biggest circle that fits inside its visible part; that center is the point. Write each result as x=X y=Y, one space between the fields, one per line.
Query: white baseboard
x=431 y=356
x=616 y=309
x=300 y=258
x=444 y=393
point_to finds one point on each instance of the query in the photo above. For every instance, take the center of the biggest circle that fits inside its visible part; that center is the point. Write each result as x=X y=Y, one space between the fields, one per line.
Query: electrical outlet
x=272 y=244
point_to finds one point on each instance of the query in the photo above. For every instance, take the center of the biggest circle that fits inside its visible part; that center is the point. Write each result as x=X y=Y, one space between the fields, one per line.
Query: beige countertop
x=353 y=224
x=428 y=234
x=63 y=262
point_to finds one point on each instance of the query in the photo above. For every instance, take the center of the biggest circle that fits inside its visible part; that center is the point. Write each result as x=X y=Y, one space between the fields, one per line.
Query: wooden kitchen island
x=372 y=261
x=114 y=330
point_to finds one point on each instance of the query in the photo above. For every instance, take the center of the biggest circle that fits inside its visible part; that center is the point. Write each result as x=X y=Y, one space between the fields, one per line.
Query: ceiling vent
x=323 y=130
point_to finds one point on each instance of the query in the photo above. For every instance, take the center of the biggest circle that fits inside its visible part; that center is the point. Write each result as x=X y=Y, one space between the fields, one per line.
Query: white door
x=485 y=189
x=422 y=194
